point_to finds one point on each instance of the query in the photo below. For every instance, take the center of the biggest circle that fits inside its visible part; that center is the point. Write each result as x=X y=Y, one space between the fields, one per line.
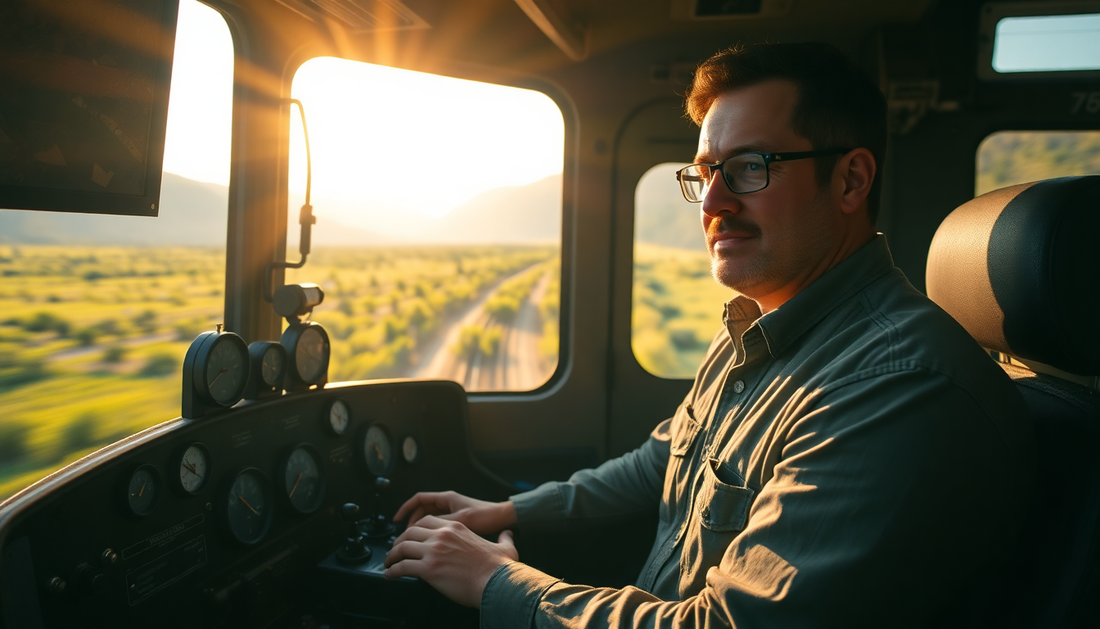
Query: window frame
x=991 y=15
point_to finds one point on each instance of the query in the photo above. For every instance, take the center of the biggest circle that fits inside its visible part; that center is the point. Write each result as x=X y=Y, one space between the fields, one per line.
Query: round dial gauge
x=225 y=370
x=339 y=416
x=194 y=468
x=143 y=490
x=410 y=449
x=273 y=365
x=303 y=480
x=248 y=506
x=377 y=451
x=311 y=354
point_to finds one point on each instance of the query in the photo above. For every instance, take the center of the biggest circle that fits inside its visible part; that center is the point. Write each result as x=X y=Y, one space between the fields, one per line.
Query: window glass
x=676 y=306
x=1007 y=158
x=437 y=243
x=98 y=311
x=1047 y=43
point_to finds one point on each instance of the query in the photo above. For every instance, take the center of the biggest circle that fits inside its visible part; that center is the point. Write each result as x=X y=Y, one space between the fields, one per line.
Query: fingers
x=508 y=543
x=406 y=568
x=411 y=504
x=425 y=503
x=405 y=551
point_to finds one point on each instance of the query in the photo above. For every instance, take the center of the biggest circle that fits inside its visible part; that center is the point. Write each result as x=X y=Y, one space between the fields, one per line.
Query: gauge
x=273 y=366
x=308 y=348
x=410 y=449
x=143 y=490
x=339 y=416
x=248 y=506
x=303 y=480
x=194 y=468
x=377 y=451
x=215 y=373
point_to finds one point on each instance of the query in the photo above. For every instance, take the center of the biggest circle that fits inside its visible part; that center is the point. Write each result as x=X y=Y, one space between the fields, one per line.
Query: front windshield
x=96 y=312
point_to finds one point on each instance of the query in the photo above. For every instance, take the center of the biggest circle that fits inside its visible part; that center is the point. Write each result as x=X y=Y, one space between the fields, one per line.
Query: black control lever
x=378 y=526
x=355 y=549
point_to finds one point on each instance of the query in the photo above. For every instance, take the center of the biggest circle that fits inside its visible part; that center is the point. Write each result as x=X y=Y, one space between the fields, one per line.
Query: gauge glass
x=248 y=508
x=303 y=482
x=226 y=371
x=273 y=366
x=410 y=449
x=143 y=490
x=339 y=416
x=311 y=354
x=194 y=467
x=377 y=451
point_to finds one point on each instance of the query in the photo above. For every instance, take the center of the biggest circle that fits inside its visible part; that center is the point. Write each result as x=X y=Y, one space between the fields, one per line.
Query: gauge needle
x=377 y=451
x=224 y=369
x=190 y=468
x=241 y=498
x=298 y=480
x=142 y=490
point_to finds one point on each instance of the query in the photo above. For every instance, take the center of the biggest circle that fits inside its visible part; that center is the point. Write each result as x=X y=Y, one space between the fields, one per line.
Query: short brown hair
x=838 y=105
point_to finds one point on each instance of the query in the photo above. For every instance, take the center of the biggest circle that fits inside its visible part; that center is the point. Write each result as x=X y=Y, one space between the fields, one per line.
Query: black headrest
x=1019 y=268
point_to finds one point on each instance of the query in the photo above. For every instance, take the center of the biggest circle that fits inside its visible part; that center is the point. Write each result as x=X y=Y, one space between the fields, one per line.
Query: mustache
x=734 y=223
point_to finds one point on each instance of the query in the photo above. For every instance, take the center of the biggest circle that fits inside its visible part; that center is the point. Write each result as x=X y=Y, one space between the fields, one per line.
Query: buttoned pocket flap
x=723 y=507
x=684 y=430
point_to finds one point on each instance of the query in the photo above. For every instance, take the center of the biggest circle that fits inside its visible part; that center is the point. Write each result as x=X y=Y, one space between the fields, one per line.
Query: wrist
x=507 y=514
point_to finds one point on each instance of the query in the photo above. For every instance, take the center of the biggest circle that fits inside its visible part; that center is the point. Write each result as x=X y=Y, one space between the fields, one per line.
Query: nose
x=719 y=199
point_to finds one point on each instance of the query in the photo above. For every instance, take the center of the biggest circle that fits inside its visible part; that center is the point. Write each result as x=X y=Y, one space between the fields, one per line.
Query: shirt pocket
x=722 y=510
x=685 y=429
x=723 y=506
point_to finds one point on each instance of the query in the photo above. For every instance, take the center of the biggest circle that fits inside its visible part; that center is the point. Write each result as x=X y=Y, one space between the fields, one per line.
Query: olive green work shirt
x=851 y=459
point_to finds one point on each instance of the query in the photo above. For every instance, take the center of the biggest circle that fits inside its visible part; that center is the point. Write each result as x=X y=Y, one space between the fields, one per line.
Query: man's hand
x=479 y=516
x=450 y=557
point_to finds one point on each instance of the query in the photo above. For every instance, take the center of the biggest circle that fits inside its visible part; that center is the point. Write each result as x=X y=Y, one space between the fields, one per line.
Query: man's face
x=766 y=245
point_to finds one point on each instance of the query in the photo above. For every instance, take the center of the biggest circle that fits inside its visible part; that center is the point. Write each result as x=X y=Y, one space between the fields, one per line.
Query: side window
x=98 y=311
x=1007 y=158
x=438 y=235
x=676 y=306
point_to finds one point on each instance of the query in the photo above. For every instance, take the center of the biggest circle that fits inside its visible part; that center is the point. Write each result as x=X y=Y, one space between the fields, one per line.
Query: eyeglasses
x=742 y=173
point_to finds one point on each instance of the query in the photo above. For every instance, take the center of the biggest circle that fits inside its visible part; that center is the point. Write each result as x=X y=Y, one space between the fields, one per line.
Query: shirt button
x=739 y=386
x=705 y=512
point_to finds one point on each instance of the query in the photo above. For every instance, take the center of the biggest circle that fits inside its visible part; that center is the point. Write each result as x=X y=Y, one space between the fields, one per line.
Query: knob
x=90 y=581
x=354 y=549
x=378 y=526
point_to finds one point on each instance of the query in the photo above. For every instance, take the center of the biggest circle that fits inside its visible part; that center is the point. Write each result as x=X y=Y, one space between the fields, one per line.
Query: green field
x=677 y=309
x=92 y=339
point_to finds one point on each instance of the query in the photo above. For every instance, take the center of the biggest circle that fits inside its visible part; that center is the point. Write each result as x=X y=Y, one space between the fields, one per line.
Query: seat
x=1019 y=268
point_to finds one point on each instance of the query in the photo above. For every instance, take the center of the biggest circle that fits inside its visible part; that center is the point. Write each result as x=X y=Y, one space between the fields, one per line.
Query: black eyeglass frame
x=768 y=159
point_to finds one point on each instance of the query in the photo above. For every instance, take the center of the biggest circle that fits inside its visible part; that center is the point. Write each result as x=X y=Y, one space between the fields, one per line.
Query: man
x=848 y=455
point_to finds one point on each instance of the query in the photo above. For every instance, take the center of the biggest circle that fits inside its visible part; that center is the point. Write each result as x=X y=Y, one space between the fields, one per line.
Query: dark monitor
x=84 y=104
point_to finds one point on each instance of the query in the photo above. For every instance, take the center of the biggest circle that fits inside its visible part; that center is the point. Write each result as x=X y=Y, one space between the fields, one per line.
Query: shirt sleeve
x=890 y=495
x=628 y=485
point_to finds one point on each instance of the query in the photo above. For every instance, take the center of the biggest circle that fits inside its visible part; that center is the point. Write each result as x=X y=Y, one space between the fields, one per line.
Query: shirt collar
x=784 y=325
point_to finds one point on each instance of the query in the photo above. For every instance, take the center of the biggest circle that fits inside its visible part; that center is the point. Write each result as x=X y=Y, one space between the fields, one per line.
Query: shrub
x=146 y=321
x=159 y=364
x=13 y=442
x=114 y=354
x=47 y=321
x=490 y=342
x=87 y=336
x=80 y=433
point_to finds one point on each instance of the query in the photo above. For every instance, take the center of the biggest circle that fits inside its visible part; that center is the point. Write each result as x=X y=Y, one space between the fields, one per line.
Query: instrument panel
x=223 y=521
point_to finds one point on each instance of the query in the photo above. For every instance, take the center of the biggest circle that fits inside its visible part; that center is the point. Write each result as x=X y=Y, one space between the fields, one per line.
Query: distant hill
x=194 y=213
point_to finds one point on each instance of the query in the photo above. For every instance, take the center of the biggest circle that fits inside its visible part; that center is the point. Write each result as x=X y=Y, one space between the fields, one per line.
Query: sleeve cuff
x=512 y=596
x=541 y=504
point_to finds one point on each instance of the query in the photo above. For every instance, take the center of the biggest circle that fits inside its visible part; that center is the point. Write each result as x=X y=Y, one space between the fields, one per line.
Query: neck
x=853 y=241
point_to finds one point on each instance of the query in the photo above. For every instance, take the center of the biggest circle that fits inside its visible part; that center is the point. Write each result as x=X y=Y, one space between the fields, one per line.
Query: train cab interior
x=309 y=389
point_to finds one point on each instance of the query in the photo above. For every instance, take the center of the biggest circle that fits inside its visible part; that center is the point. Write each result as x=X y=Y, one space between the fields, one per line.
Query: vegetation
x=92 y=339
x=1013 y=157
x=676 y=311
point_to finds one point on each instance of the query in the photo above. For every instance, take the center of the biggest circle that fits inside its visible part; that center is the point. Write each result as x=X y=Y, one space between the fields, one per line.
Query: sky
x=377 y=135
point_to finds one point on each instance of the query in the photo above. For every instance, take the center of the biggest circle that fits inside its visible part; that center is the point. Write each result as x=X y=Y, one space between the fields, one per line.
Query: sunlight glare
x=418 y=141
x=196 y=144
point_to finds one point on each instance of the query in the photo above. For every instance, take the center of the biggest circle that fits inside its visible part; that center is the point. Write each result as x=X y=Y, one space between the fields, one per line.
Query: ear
x=855 y=171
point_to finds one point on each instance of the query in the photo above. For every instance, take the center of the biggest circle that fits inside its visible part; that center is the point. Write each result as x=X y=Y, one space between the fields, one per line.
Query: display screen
x=83 y=104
